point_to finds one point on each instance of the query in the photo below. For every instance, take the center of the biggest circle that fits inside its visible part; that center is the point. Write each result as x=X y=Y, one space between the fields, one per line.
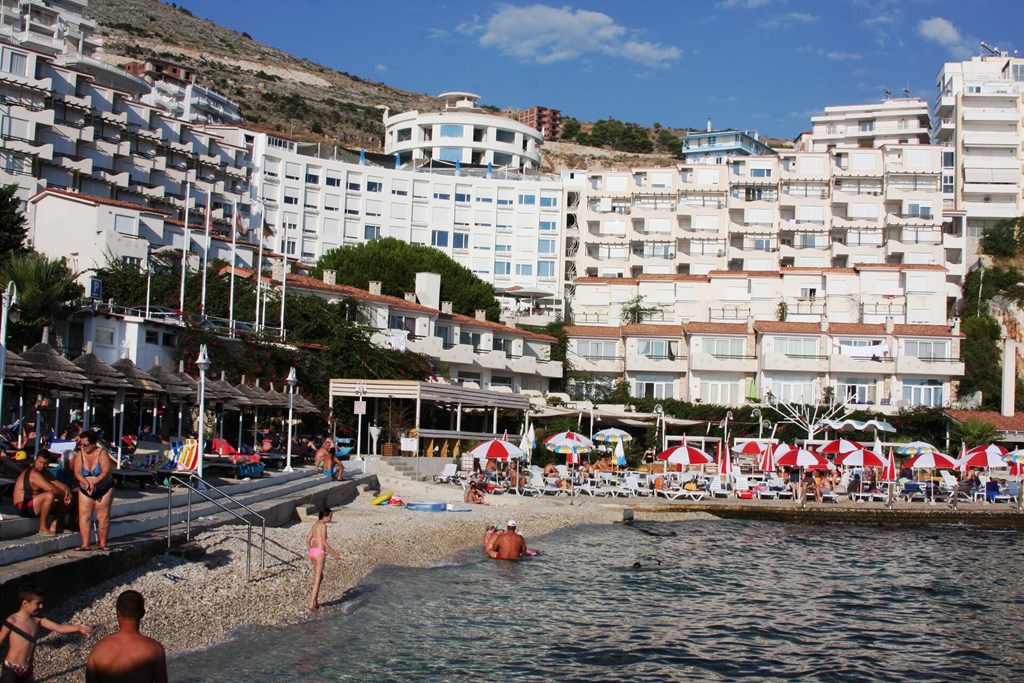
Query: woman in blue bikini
x=92 y=467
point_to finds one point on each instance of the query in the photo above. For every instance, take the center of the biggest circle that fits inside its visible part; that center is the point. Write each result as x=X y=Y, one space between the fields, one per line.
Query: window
x=152 y=337
x=289 y=247
x=470 y=339
x=15 y=164
x=727 y=347
x=597 y=349
x=923 y=392
x=947 y=159
x=354 y=185
x=444 y=333
x=14 y=62
x=1017 y=72
x=926 y=350
x=548 y=226
x=450 y=154
x=292 y=170
x=799 y=347
x=442 y=194
x=657 y=349
x=502 y=344
x=503 y=248
x=546 y=246
x=527 y=199
x=501 y=159
x=721 y=392
x=439 y=238
x=919 y=209
x=371 y=232
x=104 y=336
x=948 y=183
x=333 y=181
x=760 y=173
x=502 y=267
x=856 y=389
x=463 y=197
x=460 y=240
x=290 y=198
x=451 y=131
x=469 y=377
x=312 y=177
x=794 y=389
x=16 y=128
x=484 y=199
x=501 y=381
x=374 y=186
x=125 y=225
x=548 y=202
x=403 y=135
x=170 y=339
x=524 y=269
x=396 y=321
x=653 y=386
x=545 y=269
x=133 y=261
x=867 y=126
x=506 y=136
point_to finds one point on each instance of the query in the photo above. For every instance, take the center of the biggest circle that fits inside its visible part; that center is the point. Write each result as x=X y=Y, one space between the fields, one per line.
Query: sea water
x=702 y=600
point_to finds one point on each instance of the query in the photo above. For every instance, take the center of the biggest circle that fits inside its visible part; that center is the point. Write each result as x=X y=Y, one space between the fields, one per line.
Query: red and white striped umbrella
x=931 y=461
x=748 y=448
x=860 y=458
x=984 y=456
x=962 y=466
x=496 y=449
x=840 y=446
x=889 y=472
x=767 y=461
x=685 y=455
x=800 y=457
x=724 y=460
x=562 y=437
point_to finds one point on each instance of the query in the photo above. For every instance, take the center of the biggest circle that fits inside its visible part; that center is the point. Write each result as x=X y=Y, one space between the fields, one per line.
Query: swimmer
x=509 y=545
x=318 y=547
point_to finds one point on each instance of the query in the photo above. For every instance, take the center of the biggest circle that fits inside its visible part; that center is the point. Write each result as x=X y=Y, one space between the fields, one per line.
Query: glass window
x=548 y=202
x=923 y=392
x=371 y=232
x=720 y=392
x=548 y=226
x=439 y=238
x=502 y=159
x=444 y=332
x=597 y=349
x=653 y=386
x=525 y=269
x=546 y=246
x=312 y=178
x=451 y=131
x=794 y=389
x=460 y=240
x=104 y=336
x=403 y=135
x=333 y=181
x=926 y=350
x=397 y=321
x=152 y=337
x=657 y=349
x=545 y=268
x=796 y=346
x=170 y=339
x=451 y=154
x=374 y=186
x=728 y=347
x=463 y=197
x=501 y=135
x=856 y=389
x=527 y=199
x=14 y=62
x=760 y=173
x=502 y=267
x=470 y=339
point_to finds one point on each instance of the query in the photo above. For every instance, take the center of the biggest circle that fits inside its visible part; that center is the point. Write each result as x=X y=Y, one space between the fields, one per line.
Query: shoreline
x=191 y=605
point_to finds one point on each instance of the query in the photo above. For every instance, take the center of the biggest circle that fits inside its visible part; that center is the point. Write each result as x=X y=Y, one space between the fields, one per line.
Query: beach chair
x=539 y=485
x=448 y=475
x=718 y=489
x=682 y=493
x=742 y=488
x=912 y=491
x=1010 y=494
x=829 y=496
x=184 y=456
x=949 y=482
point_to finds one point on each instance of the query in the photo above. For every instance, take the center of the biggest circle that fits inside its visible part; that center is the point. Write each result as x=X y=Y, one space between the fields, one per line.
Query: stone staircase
x=413 y=469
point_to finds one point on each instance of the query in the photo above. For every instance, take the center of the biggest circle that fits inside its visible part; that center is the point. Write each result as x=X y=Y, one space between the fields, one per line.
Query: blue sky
x=755 y=64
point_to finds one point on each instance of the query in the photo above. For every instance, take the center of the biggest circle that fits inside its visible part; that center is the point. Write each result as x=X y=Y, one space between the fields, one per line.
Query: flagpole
x=235 y=225
x=184 y=248
x=284 y=275
x=259 y=272
x=206 y=256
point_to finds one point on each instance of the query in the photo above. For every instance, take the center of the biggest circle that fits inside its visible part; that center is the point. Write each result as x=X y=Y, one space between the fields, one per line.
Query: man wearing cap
x=509 y=545
x=38 y=494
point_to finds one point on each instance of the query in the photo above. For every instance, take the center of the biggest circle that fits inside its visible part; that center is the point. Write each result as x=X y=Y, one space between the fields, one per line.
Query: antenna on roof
x=887 y=93
x=994 y=51
x=906 y=92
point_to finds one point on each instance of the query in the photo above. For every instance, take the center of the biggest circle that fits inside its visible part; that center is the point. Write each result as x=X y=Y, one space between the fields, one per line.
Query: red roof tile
x=1013 y=423
x=88 y=198
x=923 y=331
x=466 y=321
x=592 y=331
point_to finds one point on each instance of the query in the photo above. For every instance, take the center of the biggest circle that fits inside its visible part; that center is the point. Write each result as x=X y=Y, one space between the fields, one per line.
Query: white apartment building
x=900 y=121
x=837 y=209
x=49 y=26
x=882 y=367
x=462 y=134
x=505 y=227
x=174 y=89
x=978 y=120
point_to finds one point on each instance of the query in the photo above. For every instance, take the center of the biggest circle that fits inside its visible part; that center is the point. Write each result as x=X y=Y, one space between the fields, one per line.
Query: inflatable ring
x=382 y=499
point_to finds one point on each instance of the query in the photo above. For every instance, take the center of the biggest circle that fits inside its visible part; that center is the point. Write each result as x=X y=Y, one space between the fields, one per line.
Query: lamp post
x=359 y=408
x=10 y=310
x=291 y=380
x=203 y=363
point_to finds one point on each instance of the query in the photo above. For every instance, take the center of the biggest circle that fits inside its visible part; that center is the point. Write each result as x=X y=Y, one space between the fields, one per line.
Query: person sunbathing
x=474 y=494
x=550 y=470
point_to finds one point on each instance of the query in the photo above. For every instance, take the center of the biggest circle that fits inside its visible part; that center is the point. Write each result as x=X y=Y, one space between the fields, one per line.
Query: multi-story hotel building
x=978 y=120
x=547 y=121
x=901 y=121
x=716 y=146
x=174 y=89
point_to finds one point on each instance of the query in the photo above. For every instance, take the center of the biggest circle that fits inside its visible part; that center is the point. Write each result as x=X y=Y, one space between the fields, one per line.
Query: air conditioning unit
x=721 y=252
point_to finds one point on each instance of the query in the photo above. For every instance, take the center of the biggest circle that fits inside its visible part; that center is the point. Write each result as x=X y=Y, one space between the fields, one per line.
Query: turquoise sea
x=710 y=601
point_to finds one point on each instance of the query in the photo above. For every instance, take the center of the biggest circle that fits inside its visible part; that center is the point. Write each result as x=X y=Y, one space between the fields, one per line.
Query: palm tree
x=975 y=432
x=47 y=289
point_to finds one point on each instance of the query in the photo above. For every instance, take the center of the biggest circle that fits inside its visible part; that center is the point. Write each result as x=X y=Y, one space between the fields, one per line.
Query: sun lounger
x=448 y=475
x=682 y=493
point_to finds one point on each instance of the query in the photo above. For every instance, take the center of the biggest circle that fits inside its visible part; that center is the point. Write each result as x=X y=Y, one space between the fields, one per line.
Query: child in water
x=318 y=547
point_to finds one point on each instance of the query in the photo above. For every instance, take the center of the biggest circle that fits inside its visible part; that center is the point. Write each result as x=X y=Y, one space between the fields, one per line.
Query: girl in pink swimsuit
x=318 y=547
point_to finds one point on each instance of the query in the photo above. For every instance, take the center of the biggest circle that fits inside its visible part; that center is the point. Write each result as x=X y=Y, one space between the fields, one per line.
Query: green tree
x=669 y=141
x=570 y=128
x=395 y=263
x=1003 y=239
x=46 y=294
x=634 y=312
x=980 y=351
x=12 y=223
x=975 y=432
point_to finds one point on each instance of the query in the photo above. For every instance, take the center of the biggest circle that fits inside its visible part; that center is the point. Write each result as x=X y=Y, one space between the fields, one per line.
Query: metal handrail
x=188 y=518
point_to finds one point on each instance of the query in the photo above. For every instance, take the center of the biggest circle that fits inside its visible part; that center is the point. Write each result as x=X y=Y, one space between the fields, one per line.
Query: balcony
x=786 y=363
x=674 y=363
x=936 y=367
x=842 y=364
x=978 y=139
x=723 y=363
x=605 y=364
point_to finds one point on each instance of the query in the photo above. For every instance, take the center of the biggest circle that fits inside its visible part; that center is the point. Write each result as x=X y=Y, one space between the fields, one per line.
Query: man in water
x=38 y=494
x=127 y=656
x=509 y=545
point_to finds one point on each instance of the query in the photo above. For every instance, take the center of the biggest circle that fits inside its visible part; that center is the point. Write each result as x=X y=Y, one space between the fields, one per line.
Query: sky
x=765 y=65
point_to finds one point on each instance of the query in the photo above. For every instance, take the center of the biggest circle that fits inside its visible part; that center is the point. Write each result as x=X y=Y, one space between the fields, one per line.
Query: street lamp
x=203 y=363
x=291 y=380
x=359 y=408
x=10 y=310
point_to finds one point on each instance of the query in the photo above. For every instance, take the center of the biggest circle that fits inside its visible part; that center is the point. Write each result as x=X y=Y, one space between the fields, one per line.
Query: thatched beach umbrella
x=142 y=384
x=257 y=399
x=20 y=372
x=58 y=372
x=303 y=405
x=107 y=380
x=228 y=397
x=179 y=387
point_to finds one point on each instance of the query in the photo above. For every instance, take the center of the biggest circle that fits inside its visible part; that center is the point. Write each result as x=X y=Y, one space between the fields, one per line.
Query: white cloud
x=943 y=32
x=788 y=19
x=381 y=68
x=742 y=4
x=544 y=35
x=842 y=56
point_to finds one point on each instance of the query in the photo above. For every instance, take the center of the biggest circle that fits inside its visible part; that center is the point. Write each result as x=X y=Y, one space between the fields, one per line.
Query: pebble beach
x=194 y=604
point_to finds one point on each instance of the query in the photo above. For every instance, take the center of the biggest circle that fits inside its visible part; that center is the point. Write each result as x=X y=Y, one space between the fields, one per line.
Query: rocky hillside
x=278 y=92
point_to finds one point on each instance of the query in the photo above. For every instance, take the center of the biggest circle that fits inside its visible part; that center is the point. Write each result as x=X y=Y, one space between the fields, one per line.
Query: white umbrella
x=620 y=454
x=612 y=435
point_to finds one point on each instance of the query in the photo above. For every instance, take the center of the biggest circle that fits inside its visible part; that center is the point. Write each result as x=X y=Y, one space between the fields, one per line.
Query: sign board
x=410 y=444
x=359 y=408
x=95 y=288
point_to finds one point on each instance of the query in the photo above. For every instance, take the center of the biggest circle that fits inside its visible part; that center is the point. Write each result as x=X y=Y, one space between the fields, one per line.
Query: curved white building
x=463 y=133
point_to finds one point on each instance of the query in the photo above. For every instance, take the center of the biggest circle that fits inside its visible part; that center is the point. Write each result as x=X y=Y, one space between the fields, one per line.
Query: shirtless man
x=509 y=545
x=22 y=628
x=38 y=494
x=127 y=656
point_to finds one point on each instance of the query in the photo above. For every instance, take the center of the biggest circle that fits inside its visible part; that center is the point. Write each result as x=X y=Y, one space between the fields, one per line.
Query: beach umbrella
x=767 y=461
x=750 y=447
x=685 y=455
x=930 y=461
x=620 y=454
x=916 y=448
x=568 y=447
x=612 y=435
x=860 y=458
x=724 y=460
x=570 y=437
x=984 y=456
x=840 y=446
x=801 y=457
x=889 y=472
x=496 y=449
x=17 y=369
